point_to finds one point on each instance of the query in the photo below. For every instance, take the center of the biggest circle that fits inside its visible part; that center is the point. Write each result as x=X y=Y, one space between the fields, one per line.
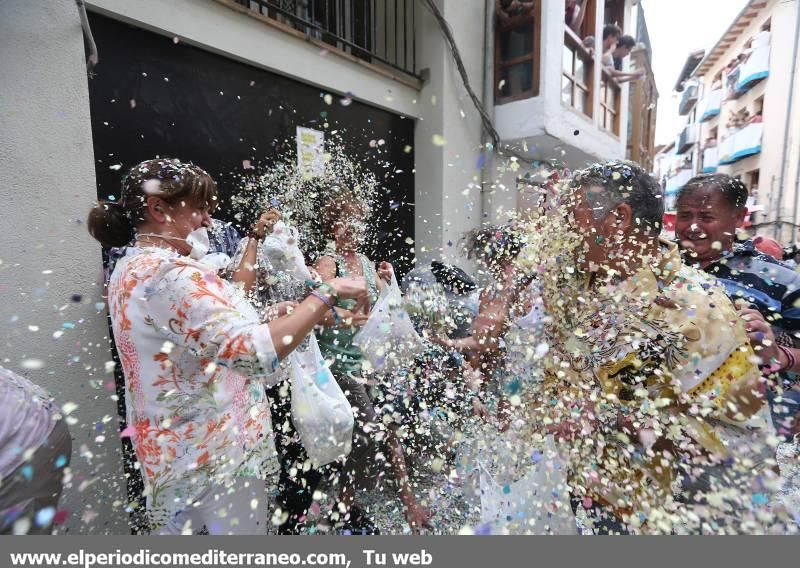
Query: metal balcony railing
x=687 y=138
x=688 y=100
x=377 y=31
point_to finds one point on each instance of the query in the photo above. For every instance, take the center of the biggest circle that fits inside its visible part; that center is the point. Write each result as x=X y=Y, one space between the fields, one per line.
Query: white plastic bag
x=281 y=249
x=321 y=413
x=536 y=503
x=388 y=338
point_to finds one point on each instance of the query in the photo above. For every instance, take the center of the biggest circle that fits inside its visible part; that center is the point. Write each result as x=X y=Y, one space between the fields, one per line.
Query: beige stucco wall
x=47 y=186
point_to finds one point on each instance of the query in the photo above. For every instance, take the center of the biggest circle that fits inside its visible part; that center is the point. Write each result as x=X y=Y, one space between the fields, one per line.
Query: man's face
x=586 y=206
x=622 y=52
x=610 y=42
x=706 y=224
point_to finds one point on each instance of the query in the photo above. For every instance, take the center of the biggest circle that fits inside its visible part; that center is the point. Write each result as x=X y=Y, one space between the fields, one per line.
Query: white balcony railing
x=688 y=99
x=710 y=106
x=710 y=160
x=745 y=142
x=754 y=69
x=687 y=138
x=676 y=182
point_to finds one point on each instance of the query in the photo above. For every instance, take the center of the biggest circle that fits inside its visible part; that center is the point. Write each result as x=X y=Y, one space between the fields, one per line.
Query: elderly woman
x=195 y=354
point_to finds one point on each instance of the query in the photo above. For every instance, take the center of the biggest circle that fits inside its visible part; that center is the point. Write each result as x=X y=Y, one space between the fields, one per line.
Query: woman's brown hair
x=113 y=223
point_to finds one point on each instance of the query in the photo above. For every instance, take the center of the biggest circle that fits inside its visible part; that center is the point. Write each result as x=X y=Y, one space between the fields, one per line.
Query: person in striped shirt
x=710 y=208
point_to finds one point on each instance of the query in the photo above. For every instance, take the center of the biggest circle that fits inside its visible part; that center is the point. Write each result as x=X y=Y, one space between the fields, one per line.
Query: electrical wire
x=92 y=58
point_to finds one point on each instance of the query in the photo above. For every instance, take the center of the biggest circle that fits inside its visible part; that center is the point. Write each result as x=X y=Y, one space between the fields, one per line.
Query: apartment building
x=741 y=103
x=553 y=99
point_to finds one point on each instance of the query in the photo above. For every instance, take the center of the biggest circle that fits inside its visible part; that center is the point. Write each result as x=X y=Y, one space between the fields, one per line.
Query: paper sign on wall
x=310 y=151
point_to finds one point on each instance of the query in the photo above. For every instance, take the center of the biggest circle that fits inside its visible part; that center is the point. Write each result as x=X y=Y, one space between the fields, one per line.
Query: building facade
x=221 y=83
x=643 y=104
x=741 y=102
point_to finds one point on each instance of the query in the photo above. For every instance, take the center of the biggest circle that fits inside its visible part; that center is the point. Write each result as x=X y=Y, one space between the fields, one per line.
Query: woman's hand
x=352 y=319
x=266 y=222
x=443 y=341
x=479 y=410
x=762 y=337
x=350 y=288
x=418 y=518
x=385 y=271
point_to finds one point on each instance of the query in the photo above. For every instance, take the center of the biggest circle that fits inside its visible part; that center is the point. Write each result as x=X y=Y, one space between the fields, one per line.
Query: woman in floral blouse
x=196 y=356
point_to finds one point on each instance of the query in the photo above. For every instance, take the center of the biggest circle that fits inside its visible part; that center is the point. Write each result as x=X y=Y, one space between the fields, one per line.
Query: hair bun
x=108 y=222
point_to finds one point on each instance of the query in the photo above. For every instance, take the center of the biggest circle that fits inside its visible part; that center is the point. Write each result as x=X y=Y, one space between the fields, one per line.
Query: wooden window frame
x=607 y=82
x=574 y=43
x=534 y=19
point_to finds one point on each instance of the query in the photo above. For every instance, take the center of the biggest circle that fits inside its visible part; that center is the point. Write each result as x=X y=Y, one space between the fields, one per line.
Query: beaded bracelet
x=326 y=288
x=336 y=319
x=791 y=360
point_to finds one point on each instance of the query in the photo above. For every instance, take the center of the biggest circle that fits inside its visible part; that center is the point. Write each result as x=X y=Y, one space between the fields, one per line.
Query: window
x=609 y=103
x=752 y=181
x=517 y=48
x=615 y=13
x=576 y=79
x=758 y=110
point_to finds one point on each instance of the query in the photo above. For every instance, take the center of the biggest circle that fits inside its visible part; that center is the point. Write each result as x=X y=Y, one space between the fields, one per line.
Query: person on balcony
x=762 y=38
x=613 y=57
x=573 y=15
x=588 y=43
x=710 y=207
x=611 y=35
x=508 y=9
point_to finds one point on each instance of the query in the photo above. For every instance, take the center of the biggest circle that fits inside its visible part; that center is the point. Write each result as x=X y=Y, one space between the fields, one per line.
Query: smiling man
x=709 y=210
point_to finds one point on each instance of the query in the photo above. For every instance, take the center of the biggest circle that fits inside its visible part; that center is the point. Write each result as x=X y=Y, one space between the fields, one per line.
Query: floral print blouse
x=196 y=359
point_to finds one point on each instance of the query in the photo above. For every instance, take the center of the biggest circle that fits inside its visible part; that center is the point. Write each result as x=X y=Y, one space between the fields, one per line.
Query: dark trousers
x=298 y=479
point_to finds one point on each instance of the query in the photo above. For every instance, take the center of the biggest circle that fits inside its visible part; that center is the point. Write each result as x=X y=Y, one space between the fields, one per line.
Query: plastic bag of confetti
x=537 y=502
x=321 y=413
x=388 y=338
x=282 y=249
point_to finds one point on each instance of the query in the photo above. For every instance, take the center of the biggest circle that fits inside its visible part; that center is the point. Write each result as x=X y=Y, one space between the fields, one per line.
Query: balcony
x=755 y=69
x=743 y=143
x=688 y=100
x=710 y=106
x=610 y=100
x=379 y=32
x=710 y=160
x=687 y=138
x=577 y=70
x=677 y=181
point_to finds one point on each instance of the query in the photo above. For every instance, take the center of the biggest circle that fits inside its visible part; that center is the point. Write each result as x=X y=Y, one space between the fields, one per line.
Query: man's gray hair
x=622 y=182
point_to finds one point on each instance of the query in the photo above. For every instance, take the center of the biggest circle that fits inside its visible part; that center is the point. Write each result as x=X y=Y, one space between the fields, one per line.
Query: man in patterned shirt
x=709 y=210
x=651 y=378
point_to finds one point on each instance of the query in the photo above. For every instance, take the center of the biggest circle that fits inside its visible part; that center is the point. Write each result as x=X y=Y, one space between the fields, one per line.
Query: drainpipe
x=487 y=98
x=796 y=189
x=778 y=224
